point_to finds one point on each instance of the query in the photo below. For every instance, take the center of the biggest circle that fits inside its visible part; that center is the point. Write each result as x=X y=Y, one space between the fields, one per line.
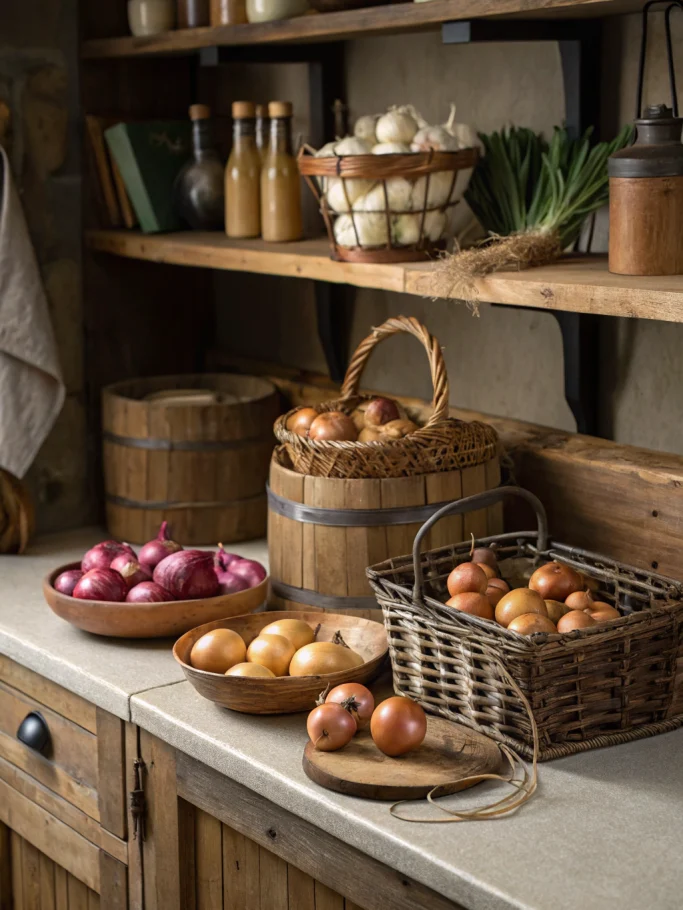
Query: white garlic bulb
x=342 y=192
x=399 y=193
x=370 y=230
x=365 y=128
x=405 y=229
x=396 y=126
x=439 y=189
x=391 y=148
x=352 y=145
x=435 y=225
x=434 y=137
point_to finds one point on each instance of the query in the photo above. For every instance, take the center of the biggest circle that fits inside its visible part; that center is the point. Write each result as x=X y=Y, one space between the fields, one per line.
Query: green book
x=149 y=156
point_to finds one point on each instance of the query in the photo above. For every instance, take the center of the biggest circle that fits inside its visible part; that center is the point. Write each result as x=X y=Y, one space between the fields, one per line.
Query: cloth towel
x=31 y=387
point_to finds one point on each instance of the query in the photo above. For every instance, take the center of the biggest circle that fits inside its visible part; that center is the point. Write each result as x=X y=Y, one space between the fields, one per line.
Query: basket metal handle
x=471 y=504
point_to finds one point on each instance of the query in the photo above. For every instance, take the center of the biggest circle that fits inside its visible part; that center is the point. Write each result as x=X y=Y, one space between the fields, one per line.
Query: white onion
x=365 y=128
x=405 y=229
x=436 y=138
x=439 y=187
x=391 y=148
x=396 y=126
x=372 y=230
x=344 y=190
x=352 y=145
x=435 y=225
x=399 y=192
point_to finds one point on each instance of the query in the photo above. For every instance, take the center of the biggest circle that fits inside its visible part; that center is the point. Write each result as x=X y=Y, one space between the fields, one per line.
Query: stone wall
x=39 y=85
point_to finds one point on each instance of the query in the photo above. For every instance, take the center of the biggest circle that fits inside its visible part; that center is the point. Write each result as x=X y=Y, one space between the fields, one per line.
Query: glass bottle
x=192 y=13
x=262 y=129
x=198 y=191
x=280 y=181
x=243 y=176
x=228 y=12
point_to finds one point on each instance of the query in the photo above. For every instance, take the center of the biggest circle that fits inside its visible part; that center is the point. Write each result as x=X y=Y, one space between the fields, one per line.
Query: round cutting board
x=449 y=753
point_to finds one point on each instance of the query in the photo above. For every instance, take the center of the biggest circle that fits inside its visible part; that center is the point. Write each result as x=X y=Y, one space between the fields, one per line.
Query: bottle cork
x=280 y=109
x=200 y=112
x=261 y=110
x=242 y=110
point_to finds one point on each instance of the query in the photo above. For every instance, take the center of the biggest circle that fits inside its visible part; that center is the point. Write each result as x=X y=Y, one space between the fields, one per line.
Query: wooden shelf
x=579 y=284
x=388 y=19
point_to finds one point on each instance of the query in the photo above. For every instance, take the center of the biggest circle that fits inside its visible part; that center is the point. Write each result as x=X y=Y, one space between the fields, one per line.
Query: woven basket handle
x=436 y=362
x=470 y=504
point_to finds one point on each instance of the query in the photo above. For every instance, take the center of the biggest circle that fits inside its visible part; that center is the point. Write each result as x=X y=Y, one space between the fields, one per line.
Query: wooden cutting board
x=449 y=753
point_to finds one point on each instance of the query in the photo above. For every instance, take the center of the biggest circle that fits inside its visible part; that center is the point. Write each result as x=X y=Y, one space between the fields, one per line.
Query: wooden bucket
x=319 y=549
x=192 y=450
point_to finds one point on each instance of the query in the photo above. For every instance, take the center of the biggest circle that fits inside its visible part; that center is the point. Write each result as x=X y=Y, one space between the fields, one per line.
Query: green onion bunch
x=525 y=183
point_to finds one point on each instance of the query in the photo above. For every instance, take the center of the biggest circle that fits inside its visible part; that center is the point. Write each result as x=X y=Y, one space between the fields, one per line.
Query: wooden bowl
x=285 y=694
x=122 y=620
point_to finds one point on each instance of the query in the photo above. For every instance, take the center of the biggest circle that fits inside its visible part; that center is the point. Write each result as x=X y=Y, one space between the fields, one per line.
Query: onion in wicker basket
x=440 y=444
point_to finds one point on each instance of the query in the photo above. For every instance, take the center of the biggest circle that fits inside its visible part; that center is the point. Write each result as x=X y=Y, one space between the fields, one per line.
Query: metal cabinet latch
x=137 y=801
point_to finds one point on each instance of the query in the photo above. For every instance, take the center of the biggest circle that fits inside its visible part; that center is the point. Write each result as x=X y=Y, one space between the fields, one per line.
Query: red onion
x=162 y=546
x=223 y=560
x=101 y=584
x=188 y=575
x=130 y=570
x=147 y=592
x=67 y=581
x=250 y=570
x=102 y=554
x=231 y=584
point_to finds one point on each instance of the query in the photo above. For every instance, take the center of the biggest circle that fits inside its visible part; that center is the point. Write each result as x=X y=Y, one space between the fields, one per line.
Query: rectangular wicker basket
x=618 y=681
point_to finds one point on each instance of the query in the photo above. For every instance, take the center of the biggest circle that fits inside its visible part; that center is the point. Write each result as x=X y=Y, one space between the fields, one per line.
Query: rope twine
x=522 y=790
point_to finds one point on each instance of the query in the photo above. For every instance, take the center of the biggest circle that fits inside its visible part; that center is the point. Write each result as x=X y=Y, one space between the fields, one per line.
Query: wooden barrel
x=319 y=549
x=192 y=450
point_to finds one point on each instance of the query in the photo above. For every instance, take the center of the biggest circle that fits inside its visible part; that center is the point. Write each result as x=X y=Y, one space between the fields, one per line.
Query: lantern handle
x=672 y=4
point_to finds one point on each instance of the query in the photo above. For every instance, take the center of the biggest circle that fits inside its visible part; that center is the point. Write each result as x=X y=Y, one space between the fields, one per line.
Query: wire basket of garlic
x=389 y=193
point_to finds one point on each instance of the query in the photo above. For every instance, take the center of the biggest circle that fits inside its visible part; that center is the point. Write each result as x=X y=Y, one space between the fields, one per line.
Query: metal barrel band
x=325 y=601
x=182 y=445
x=169 y=504
x=351 y=518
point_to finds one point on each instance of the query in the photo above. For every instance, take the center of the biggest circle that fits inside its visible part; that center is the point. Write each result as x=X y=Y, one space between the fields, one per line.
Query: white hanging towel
x=31 y=387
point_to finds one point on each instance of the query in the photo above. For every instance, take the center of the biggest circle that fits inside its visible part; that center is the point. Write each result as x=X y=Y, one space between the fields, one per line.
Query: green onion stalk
x=532 y=197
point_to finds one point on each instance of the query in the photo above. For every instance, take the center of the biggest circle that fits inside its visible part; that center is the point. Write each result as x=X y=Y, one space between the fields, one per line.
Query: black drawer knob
x=34 y=732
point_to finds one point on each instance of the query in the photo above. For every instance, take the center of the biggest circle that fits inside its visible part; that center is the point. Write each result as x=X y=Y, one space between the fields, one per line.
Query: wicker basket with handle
x=440 y=444
x=600 y=686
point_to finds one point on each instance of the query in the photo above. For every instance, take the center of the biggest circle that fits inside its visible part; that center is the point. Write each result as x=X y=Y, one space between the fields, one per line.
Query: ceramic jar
x=150 y=17
x=269 y=10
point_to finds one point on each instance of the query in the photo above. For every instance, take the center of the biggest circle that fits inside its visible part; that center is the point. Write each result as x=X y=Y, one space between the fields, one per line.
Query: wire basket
x=440 y=444
x=405 y=210
x=600 y=686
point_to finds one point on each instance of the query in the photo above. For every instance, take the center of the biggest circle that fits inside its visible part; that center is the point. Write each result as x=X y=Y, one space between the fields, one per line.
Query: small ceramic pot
x=150 y=17
x=270 y=10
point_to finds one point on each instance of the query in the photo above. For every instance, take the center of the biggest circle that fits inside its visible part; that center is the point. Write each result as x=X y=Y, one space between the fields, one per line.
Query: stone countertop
x=105 y=671
x=604 y=829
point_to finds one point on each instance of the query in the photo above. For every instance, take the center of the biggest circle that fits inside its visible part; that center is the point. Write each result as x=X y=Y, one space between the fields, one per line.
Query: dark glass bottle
x=199 y=188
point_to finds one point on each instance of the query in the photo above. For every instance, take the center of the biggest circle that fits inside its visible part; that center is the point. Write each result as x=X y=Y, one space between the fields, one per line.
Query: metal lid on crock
x=657 y=150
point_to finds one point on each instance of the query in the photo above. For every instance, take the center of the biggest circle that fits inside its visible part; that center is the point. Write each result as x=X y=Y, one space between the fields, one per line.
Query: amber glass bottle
x=280 y=181
x=262 y=129
x=198 y=191
x=243 y=176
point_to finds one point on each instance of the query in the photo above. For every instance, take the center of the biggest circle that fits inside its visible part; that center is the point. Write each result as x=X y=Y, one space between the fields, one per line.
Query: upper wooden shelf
x=388 y=19
x=579 y=284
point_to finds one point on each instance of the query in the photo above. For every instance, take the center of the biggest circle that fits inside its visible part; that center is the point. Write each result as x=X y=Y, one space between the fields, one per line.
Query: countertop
x=604 y=829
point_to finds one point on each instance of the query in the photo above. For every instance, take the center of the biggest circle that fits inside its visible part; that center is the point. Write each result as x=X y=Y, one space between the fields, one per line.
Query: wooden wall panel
x=38 y=883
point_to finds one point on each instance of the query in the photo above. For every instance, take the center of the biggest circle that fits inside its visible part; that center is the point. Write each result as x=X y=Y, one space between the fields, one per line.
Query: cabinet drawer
x=84 y=761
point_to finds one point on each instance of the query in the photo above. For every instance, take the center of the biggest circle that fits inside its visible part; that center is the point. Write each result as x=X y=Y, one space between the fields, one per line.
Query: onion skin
x=155 y=550
x=575 y=619
x=499 y=583
x=67 y=581
x=295 y=630
x=272 y=651
x=102 y=585
x=229 y=583
x=358 y=700
x=301 y=420
x=148 y=592
x=518 y=602
x=330 y=727
x=102 y=554
x=217 y=651
x=602 y=612
x=251 y=571
x=333 y=425
x=532 y=623
x=556 y=610
x=130 y=570
x=555 y=581
x=485 y=556
x=579 y=600
x=467 y=577
x=322 y=657
x=494 y=594
x=247 y=669
x=380 y=411
x=398 y=726
x=187 y=575
x=473 y=603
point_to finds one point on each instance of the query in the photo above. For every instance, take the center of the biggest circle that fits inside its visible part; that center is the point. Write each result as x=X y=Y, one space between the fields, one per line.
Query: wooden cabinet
x=62 y=813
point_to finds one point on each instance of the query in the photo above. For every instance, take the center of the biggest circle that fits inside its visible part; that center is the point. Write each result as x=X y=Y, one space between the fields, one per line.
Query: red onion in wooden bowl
x=187 y=575
x=130 y=570
x=250 y=570
x=67 y=581
x=155 y=550
x=102 y=554
x=147 y=592
x=101 y=584
x=231 y=584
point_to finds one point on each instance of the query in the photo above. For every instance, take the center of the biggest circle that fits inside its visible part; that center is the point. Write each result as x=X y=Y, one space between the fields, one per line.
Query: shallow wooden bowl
x=286 y=694
x=122 y=620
